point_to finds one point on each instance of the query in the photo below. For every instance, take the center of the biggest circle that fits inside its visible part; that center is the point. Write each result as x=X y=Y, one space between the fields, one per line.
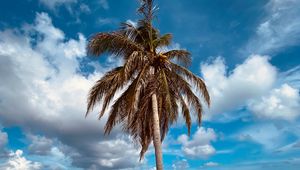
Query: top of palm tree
x=146 y=71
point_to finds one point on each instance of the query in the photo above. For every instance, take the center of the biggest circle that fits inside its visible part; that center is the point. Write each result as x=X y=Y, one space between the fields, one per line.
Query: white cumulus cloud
x=255 y=85
x=18 y=162
x=199 y=146
x=231 y=90
x=281 y=103
x=43 y=89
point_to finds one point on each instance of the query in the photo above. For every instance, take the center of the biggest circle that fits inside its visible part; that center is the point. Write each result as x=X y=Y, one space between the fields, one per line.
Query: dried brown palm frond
x=186 y=114
x=182 y=56
x=183 y=87
x=147 y=9
x=123 y=107
x=113 y=43
x=164 y=40
x=200 y=85
x=102 y=86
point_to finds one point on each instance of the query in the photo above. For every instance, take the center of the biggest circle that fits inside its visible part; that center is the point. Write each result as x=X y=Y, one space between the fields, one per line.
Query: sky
x=246 y=51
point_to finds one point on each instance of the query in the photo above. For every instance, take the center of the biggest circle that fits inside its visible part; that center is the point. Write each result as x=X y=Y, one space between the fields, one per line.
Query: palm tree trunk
x=156 y=135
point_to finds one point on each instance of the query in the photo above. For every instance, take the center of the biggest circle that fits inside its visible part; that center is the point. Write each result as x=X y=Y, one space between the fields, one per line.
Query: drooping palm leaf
x=194 y=79
x=182 y=56
x=102 y=86
x=113 y=43
x=184 y=88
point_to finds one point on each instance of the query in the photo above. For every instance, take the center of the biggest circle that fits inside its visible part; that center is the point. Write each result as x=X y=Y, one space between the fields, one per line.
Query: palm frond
x=164 y=40
x=123 y=107
x=183 y=88
x=134 y=63
x=147 y=9
x=114 y=43
x=194 y=79
x=186 y=114
x=182 y=56
x=102 y=86
x=131 y=31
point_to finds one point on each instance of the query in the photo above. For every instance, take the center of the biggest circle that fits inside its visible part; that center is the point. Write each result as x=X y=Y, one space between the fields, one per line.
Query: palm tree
x=155 y=87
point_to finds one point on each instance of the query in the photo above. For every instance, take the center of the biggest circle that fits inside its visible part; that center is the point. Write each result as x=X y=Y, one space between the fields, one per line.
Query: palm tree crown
x=146 y=71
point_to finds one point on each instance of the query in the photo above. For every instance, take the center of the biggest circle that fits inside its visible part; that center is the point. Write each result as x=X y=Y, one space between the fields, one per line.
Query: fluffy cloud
x=44 y=93
x=281 y=103
x=229 y=91
x=279 y=29
x=18 y=162
x=200 y=144
x=252 y=85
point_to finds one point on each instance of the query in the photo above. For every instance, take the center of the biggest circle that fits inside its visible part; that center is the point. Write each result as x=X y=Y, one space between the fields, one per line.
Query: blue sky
x=246 y=51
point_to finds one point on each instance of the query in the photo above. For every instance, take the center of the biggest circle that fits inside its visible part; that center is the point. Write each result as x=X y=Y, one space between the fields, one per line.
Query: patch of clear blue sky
x=16 y=138
x=206 y=28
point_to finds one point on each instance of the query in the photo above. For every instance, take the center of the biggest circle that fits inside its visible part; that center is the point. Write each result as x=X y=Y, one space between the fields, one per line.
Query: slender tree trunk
x=156 y=135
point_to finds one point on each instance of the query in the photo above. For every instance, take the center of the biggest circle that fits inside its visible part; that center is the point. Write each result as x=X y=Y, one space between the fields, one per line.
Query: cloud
x=18 y=162
x=3 y=139
x=181 y=164
x=278 y=30
x=281 y=103
x=210 y=164
x=85 y=8
x=255 y=85
x=3 y=142
x=44 y=93
x=55 y=3
x=251 y=79
x=291 y=76
x=267 y=135
x=40 y=145
x=200 y=144
x=104 y=4
x=290 y=164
